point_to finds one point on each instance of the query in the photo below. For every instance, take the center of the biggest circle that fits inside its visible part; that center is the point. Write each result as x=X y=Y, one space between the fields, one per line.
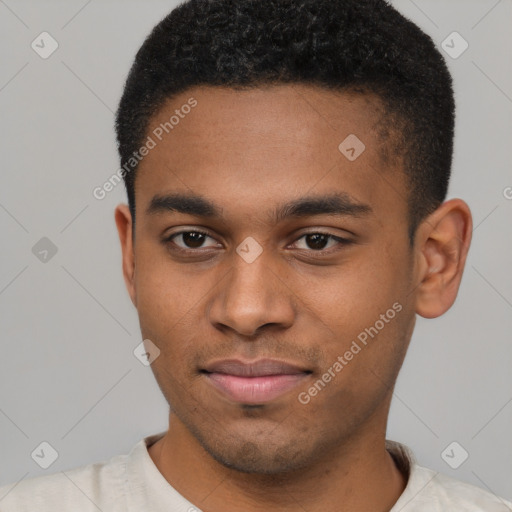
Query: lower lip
x=254 y=390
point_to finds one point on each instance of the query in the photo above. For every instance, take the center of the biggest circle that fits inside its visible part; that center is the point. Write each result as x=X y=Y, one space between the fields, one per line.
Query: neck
x=359 y=475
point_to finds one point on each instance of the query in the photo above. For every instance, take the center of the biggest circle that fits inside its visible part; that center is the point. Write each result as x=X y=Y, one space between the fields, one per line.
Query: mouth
x=257 y=382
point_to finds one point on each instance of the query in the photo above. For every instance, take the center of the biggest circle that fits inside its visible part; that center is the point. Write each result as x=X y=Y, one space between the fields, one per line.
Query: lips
x=254 y=383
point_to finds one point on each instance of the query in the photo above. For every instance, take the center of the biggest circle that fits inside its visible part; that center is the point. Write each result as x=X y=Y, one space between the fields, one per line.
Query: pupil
x=193 y=239
x=316 y=238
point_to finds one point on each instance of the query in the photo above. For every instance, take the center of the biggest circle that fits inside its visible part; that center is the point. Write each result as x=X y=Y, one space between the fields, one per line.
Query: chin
x=262 y=457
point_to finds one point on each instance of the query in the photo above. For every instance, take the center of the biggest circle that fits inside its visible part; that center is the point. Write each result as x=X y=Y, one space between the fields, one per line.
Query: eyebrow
x=339 y=204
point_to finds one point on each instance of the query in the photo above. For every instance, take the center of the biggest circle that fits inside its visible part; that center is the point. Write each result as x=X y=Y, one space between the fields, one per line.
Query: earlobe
x=443 y=241
x=123 y=220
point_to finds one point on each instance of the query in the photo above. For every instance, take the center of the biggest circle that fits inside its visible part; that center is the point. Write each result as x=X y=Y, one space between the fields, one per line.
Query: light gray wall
x=67 y=372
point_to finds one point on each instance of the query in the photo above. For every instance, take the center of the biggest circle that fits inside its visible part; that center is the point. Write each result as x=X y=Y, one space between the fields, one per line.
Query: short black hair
x=343 y=45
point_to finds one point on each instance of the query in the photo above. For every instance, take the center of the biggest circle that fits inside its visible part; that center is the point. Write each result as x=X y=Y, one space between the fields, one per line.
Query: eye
x=317 y=241
x=191 y=240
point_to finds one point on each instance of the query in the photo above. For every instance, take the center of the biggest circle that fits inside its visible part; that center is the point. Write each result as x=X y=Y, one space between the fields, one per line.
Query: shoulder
x=436 y=491
x=431 y=491
x=82 y=489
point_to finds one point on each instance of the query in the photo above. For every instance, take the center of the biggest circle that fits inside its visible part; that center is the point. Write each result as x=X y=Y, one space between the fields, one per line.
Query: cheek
x=363 y=305
x=161 y=301
x=171 y=304
x=353 y=296
x=166 y=309
x=164 y=293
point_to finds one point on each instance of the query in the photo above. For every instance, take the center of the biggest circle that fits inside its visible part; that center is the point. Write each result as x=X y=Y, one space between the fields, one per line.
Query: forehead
x=259 y=144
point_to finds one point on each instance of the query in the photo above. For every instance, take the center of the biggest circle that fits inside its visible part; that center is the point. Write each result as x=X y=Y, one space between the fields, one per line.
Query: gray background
x=67 y=372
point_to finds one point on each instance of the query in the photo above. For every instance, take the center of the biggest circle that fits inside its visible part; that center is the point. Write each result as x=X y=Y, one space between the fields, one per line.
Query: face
x=231 y=274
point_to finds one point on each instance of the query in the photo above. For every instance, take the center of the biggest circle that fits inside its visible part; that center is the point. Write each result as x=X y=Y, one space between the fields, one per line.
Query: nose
x=251 y=296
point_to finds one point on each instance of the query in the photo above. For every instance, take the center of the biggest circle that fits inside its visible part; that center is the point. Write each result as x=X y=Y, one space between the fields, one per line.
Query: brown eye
x=316 y=242
x=190 y=240
x=193 y=239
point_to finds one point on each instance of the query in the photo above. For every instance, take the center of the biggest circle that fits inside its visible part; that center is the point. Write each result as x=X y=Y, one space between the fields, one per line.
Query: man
x=286 y=164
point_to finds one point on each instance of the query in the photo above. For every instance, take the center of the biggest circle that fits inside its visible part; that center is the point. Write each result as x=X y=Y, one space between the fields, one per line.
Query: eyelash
x=342 y=241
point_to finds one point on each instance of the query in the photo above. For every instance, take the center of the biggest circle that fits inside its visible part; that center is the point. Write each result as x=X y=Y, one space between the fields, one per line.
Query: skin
x=250 y=151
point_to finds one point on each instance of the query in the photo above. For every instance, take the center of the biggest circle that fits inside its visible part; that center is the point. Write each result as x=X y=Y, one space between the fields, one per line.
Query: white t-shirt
x=132 y=483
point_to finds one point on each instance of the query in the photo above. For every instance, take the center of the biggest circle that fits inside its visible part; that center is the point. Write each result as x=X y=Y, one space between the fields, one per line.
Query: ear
x=443 y=241
x=123 y=219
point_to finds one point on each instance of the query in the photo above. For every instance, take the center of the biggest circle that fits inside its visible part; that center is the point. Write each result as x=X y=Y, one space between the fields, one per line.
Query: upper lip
x=258 y=368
